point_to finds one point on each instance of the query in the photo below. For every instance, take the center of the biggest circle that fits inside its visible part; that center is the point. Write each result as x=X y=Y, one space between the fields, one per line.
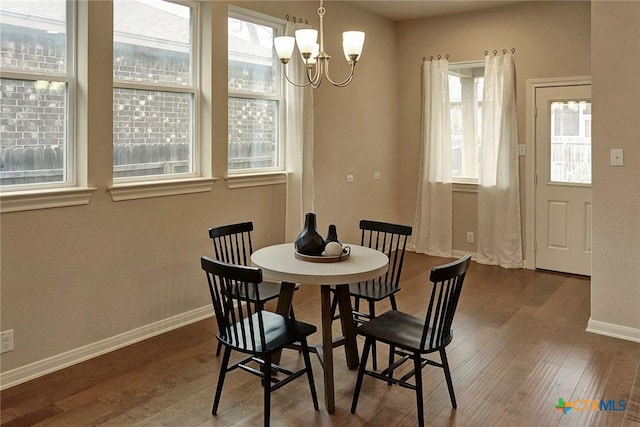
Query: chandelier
x=315 y=58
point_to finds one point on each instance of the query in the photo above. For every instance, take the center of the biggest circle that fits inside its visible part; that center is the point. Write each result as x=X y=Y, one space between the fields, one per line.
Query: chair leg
x=307 y=364
x=219 y=349
x=361 y=369
x=267 y=389
x=221 y=377
x=374 y=354
x=417 y=365
x=447 y=375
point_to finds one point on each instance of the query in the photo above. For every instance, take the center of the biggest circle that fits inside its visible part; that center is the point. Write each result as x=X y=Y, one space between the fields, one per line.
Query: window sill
x=45 y=199
x=145 y=190
x=465 y=187
x=255 y=180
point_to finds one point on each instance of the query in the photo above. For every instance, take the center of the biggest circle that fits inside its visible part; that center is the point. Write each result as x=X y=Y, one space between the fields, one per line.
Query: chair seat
x=400 y=329
x=279 y=331
x=268 y=291
x=370 y=290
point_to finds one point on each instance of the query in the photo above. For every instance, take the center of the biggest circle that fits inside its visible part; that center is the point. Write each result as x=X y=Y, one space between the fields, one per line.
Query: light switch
x=522 y=150
x=617 y=157
x=349 y=178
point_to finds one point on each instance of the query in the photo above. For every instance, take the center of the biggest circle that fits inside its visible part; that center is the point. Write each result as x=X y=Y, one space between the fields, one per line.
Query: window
x=155 y=90
x=37 y=84
x=571 y=142
x=255 y=95
x=465 y=98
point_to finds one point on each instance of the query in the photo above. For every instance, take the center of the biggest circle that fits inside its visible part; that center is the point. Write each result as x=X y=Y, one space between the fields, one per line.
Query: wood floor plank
x=519 y=345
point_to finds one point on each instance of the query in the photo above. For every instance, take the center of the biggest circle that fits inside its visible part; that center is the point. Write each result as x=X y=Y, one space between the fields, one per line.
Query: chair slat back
x=447 y=283
x=239 y=323
x=391 y=239
x=232 y=243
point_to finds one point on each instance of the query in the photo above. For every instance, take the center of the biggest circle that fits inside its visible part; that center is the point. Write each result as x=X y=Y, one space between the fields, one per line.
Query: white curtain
x=299 y=146
x=432 y=231
x=499 y=227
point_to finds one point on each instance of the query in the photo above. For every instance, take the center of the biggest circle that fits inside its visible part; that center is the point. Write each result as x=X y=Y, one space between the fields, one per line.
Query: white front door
x=563 y=179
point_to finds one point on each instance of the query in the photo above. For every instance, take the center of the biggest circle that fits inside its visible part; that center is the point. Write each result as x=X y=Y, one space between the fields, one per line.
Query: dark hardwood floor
x=520 y=345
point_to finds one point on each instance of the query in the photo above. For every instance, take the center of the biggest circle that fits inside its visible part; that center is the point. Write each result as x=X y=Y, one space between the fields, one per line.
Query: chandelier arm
x=345 y=81
x=316 y=79
x=294 y=83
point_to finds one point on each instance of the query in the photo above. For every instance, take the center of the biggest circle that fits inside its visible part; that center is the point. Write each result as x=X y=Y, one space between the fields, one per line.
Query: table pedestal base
x=325 y=350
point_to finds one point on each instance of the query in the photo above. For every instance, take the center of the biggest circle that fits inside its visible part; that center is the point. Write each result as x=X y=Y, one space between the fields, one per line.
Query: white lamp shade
x=284 y=46
x=306 y=40
x=352 y=43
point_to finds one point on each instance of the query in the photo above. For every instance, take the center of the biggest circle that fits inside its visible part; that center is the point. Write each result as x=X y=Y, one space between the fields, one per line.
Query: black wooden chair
x=232 y=244
x=248 y=329
x=392 y=240
x=411 y=337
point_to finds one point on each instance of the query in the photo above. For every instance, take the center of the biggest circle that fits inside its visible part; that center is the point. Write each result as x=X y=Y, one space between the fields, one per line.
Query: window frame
x=465 y=180
x=275 y=174
x=69 y=78
x=74 y=191
x=125 y=188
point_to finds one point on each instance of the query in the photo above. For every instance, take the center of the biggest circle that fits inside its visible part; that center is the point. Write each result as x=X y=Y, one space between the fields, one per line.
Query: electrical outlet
x=6 y=338
x=469 y=236
x=349 y=178
x=617 y=157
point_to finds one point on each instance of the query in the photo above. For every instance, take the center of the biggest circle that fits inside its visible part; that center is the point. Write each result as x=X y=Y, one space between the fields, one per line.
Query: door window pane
x=570 y=142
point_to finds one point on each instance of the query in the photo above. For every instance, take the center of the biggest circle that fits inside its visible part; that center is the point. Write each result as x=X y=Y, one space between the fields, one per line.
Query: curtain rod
x=504 y=51
x=424 y=58
x=486 y=52
x=297 y=20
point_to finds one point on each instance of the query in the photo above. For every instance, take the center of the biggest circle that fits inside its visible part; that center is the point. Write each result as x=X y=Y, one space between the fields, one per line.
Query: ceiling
x=403 y=10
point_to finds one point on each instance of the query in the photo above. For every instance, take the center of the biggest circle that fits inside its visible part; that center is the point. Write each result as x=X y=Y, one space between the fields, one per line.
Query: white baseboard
x=454 y=253
x=72 y=357
x=460 y=254
x=613 y=330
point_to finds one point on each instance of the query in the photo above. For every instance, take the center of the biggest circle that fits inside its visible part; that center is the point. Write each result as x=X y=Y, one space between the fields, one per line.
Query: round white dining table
x=279 y=264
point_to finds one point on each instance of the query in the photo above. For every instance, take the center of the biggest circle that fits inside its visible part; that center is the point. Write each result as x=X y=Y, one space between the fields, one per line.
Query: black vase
x=309 y=242
x=332 y=235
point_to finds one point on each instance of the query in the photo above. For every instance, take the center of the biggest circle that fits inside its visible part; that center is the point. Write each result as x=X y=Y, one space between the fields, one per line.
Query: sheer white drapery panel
x=432 y=230
x=499 y=222
x=299 y=145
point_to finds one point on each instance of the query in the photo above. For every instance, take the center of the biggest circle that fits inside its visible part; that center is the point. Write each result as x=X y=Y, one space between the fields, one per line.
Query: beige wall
x=552 y=39
x=615 y=280
x=74 y=276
